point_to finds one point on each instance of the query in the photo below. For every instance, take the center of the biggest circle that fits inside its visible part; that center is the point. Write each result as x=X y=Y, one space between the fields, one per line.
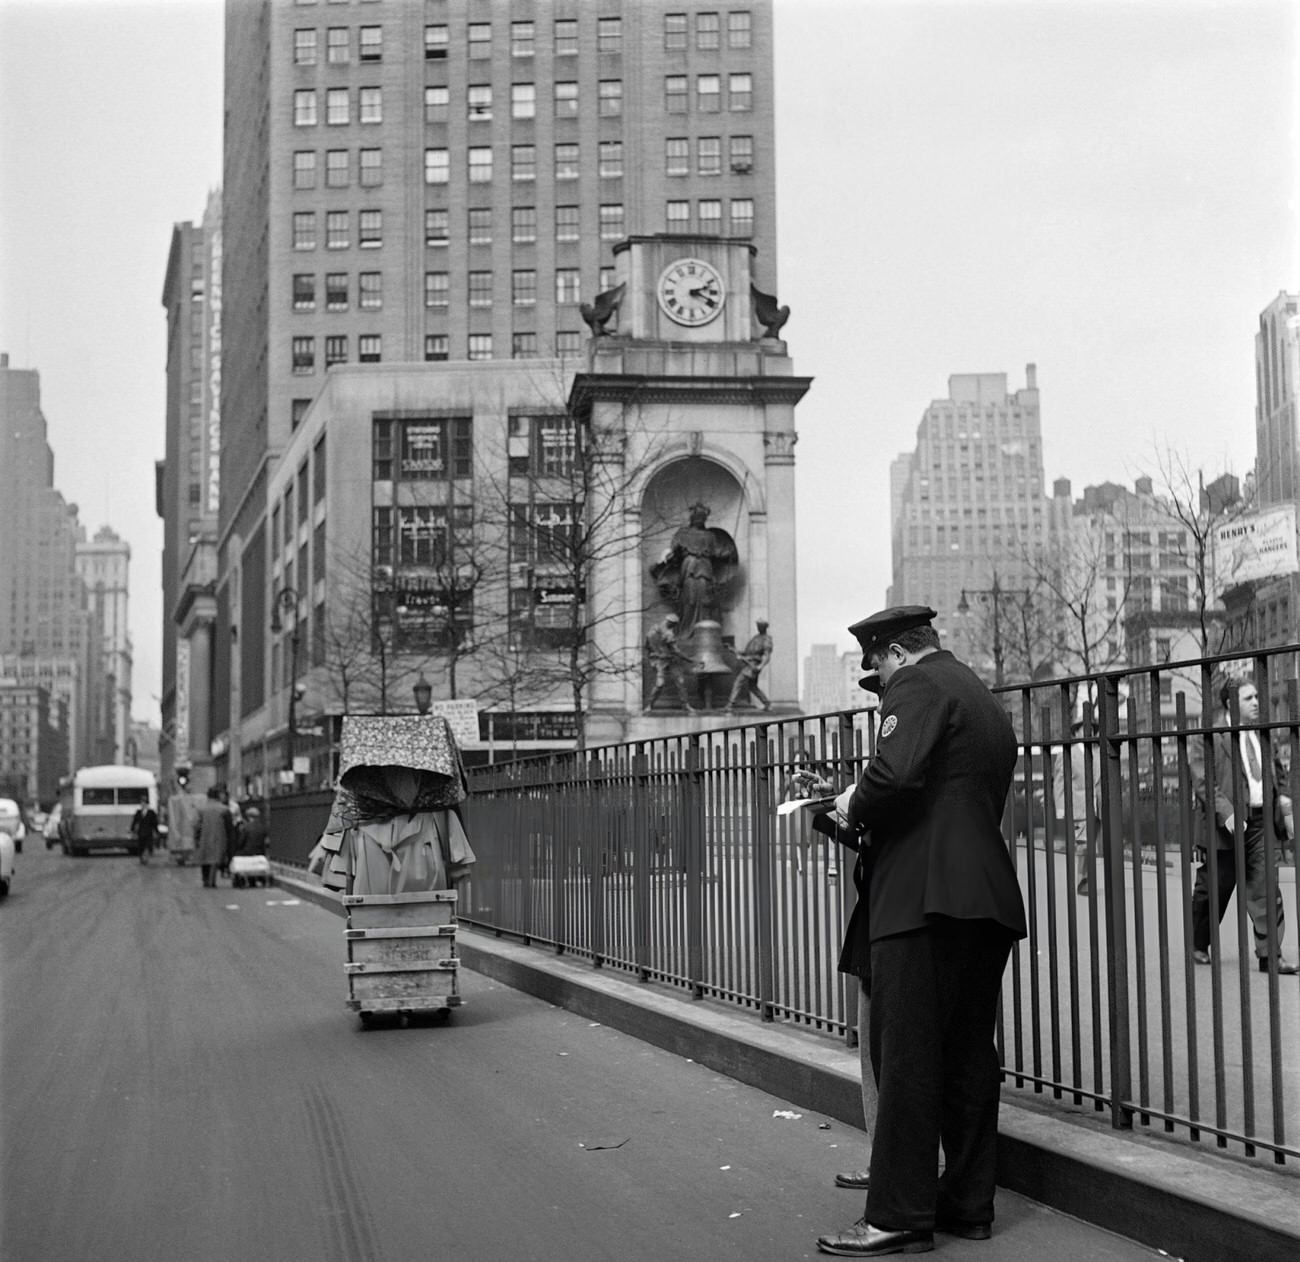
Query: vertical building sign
x=214 y=371
x=181 y=726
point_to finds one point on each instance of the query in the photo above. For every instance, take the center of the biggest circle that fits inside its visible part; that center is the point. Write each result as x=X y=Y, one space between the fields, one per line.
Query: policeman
x=944 y=907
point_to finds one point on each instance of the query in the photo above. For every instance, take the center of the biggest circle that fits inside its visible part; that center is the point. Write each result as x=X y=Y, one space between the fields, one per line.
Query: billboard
x=1254 y=546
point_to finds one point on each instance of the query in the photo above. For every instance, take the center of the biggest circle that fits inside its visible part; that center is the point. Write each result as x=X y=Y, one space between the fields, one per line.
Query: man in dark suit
x=1239 y=778
x=944 y=907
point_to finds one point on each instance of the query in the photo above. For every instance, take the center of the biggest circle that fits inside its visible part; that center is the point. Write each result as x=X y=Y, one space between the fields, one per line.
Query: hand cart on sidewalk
x=394 y=848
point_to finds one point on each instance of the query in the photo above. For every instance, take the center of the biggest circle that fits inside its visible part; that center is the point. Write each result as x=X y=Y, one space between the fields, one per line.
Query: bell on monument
x=706 y=648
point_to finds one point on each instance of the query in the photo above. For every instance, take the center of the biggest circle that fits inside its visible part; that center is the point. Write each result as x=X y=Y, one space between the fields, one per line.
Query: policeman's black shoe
x=859 y=1180
x=967 y=1231
x=1283 y=966
x=862 y=1240
x=1201 y=957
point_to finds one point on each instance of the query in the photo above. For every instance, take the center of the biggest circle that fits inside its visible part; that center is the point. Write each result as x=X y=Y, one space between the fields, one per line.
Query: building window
x=372 y=168
x=523 y=288
x=480 y=346
x=435 y=104
x=739 y=31
x=610 y=160
x=679 y=216
x=304 y=291
x=611 y=221
x=480 y=225
x=740 y=93
x=370 y=291
x=708 y=32
x=608 y=278
x=480 y=289
x=435 y=43
x=336 y=41
x=708 y=151
x=523 y=39
x=304 y=47
x=566 y=223
x=304 y=230
x=437 y=166
x=523 y=162
x=304 y=168
x=480 y=41
x=523 y=100
x=337 y=113
x=370 y=348
x=523 y=224
x=677 y=156
x=609 y=35
x=297 y=410
x=742 y=217
x=479 y=102
x=435 y=347
x=336 y=350
x=370 y=105
x=674 y=31
x=437 y=226
x=708 y=93
x=566 y=161
x=567 y=285
x=742 y=154
x=543 y=446
x=336 y=230
x=609 y=98
x=336 y=168
x=381 y=534
x=566 y=100
x=566 y=37
x=437 y=289
x=304 y=108
x=336 y=291
x=480 y=164
x=304 y=355
x=523 y=346
x=370 y=229
x=710 y=212
x=675 y=94
x=370 y=43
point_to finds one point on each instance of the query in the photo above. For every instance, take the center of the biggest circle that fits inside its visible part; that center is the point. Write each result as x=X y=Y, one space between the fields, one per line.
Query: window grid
x=370 y=229
x=567 y=223
x=437 y=166
x=523 y=39
x=336 y=230
x=436 y=40
x=478 y=102
x=372 y=168
x=304 y=230
x=370 y=105
x=480 y=164
x=523 y=162
x=437 y=289
x=677 y=156
x=370 y=291
x=336 y=291
x=523 y=224
x=523 y=287
x=523 y=100
x=675 y=89
x=304 y=47
x=480 y=289
x=609 y=98
x=740 y=93
x=336 y=43
x=337 y=110
x=708 y=32
x=304 y=168
x=480 y=225
x=610 y=160
x=566 y=99
x=304 y=291
x=611 y=221
x=566 y=37
x=709 y=155
x=708 y=93
x=609 y=35
x=336 y=350
x=371 y=43
x=480 y=346
x=369 y=348
x=435 y=347
x=436 y=103
x=336 y=168
x=304 y=107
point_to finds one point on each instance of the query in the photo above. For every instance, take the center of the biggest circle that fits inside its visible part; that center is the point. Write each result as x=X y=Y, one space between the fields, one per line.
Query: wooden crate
x=402 y=951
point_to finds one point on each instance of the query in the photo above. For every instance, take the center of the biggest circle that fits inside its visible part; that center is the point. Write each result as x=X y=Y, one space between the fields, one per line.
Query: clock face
x=691 y=292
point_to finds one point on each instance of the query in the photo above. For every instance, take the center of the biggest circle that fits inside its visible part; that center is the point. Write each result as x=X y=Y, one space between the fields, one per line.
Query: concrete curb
x=1162 y=1193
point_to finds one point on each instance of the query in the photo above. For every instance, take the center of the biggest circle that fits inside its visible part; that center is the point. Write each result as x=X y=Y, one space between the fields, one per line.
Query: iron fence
x=666 y=859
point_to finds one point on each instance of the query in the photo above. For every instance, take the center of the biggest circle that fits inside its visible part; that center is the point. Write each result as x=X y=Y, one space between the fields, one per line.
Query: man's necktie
x=1252 y=758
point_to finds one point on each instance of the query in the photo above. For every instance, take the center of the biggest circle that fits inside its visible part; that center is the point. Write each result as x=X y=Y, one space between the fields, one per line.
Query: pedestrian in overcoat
x=214 y=833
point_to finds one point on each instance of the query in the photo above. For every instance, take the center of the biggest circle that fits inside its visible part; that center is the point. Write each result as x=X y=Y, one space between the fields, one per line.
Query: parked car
x=6 y=862
x=52 y=822
x=13 y=822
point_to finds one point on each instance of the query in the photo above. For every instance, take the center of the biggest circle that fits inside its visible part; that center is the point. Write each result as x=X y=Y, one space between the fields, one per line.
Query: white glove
x=1229 y=821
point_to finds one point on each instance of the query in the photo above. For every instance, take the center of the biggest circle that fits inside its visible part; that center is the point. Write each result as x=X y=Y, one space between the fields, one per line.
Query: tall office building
x=45 y=627
x=1277 y=371
x=103 y=563
x=420 y=185
x=968 y=502
x=188 y=489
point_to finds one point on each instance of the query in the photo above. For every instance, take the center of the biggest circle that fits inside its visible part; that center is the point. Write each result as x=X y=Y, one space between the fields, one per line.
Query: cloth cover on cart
x=395 y=826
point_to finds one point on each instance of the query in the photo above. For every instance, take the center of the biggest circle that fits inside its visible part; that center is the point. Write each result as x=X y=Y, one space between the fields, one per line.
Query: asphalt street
x=180 y=1080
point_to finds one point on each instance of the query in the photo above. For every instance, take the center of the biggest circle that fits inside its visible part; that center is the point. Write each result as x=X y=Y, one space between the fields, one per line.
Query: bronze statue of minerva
x=599 y=313
x=767 y=313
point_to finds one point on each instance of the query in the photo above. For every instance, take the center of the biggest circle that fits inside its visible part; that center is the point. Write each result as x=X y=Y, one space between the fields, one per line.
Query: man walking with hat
x=943 y=908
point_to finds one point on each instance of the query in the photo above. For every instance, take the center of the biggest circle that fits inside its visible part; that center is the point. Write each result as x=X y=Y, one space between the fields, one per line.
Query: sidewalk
x=1188 y=1202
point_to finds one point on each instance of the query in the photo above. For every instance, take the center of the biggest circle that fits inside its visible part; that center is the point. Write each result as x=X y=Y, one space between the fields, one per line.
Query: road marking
x=283 y=902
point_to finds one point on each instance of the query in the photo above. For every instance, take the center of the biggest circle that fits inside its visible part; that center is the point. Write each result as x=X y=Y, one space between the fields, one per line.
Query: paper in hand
x=812 y=804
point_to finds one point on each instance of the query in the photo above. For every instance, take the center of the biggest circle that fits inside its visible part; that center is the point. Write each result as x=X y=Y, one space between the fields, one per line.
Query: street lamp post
x=423 y=691
x=287 y=598
x=992 y=596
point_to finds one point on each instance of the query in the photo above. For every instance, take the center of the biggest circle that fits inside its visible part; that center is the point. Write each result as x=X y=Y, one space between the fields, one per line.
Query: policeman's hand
x=809 y=784
x=842 y=806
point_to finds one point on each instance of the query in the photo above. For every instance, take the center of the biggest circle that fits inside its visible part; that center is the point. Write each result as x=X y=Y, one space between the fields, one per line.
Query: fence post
x=761 y=767
x=596 y=842
x=1114 y=889
x=694 y=867
x=641 y=862
x=851 y=987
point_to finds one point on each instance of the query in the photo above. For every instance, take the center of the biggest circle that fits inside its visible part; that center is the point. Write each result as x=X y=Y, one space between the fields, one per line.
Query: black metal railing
x=666 y=859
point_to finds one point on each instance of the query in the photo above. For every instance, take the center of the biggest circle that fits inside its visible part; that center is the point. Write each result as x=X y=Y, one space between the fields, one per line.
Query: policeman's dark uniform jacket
x=943 y=907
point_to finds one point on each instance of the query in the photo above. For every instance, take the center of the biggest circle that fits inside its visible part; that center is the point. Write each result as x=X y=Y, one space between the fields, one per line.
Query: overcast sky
x=1106 y=190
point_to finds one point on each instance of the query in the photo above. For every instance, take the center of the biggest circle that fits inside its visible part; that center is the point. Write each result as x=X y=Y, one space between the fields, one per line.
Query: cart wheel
x=367 y=1018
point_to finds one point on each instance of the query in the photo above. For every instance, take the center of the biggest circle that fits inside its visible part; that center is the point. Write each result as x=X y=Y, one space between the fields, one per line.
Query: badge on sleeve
x=888 y=726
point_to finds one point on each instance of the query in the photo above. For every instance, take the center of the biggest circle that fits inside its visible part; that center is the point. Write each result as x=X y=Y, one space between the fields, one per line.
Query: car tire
x=18 y=847
x=4 y=887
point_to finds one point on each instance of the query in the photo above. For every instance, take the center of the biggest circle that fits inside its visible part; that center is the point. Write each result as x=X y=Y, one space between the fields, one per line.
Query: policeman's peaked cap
x=874 y=632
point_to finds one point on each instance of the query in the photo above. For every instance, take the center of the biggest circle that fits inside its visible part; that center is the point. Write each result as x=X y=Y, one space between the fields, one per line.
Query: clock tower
x=689 y=398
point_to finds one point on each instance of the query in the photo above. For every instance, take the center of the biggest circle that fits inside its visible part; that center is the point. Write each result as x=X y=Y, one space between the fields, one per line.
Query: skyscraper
x=419 y=185
x=968 y=501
